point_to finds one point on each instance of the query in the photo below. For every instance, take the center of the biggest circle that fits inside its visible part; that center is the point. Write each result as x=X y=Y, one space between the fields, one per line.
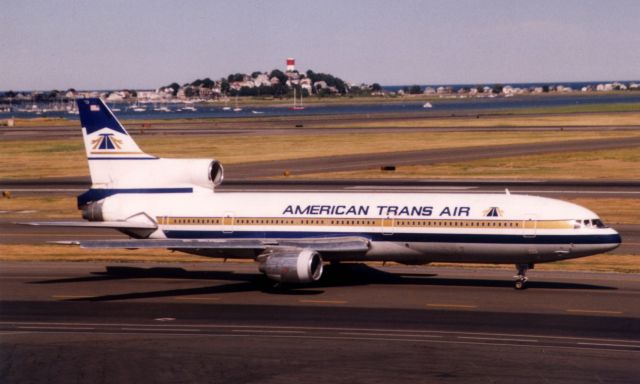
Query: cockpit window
x=592 y=223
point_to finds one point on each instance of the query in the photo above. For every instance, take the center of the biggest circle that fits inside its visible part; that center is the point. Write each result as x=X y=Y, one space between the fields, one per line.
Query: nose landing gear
x=521 y=277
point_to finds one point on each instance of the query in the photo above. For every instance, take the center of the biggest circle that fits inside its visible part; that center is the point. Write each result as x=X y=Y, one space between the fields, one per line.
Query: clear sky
x=49 y=44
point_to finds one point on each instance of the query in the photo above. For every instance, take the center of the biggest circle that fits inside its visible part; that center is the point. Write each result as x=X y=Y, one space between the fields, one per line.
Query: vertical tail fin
x=105 y=141
x=104 y=136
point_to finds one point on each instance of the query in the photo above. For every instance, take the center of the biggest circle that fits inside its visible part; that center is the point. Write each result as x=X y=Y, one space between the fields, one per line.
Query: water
x=575 y=85
x=439 y=105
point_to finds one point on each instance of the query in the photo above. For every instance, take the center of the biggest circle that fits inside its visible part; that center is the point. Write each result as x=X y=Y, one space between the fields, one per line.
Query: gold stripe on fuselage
x=366 y=222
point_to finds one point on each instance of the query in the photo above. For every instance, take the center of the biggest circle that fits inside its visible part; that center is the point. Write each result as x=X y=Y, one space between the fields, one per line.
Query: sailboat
x=237 y=109
x=137 y=107
x=189 y=107
x=297 y=107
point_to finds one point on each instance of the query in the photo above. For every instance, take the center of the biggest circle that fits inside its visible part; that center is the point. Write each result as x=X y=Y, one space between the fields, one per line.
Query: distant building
x=205 y=93
x=262 y=80
x=508 y=90
x=291 y=64
x=115 y=96
x=306 y=84
x=320 y=84
x=604 y=87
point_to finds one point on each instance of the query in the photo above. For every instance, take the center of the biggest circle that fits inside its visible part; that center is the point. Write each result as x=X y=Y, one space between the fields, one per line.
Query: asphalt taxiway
x=91 y=322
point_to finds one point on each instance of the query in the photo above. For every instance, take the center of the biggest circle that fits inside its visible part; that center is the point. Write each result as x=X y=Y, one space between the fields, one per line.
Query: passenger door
x=388 y=226
x=227 y=222
x=530 y=226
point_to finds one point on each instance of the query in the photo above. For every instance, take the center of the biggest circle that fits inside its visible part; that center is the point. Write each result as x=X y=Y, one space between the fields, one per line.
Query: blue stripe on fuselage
x=404 y=237
x=99 y=194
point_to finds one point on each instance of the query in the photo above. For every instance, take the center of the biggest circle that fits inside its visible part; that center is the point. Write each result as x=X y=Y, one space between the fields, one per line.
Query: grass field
x=619 y=164
x=66 y=157
x=519 y=120
x=580 y=115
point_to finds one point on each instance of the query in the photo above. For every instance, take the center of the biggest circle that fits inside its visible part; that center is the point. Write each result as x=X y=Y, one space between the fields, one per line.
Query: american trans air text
x=380 y=210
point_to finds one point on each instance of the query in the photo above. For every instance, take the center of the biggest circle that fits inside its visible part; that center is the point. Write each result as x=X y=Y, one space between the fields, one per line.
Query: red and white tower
x=291 y=64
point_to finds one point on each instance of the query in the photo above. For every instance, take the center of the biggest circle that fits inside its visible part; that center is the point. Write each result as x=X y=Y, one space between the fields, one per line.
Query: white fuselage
x=404 y=227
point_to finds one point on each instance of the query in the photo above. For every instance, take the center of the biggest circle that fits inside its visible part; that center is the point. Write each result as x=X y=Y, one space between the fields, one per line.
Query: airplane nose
x=615 y=239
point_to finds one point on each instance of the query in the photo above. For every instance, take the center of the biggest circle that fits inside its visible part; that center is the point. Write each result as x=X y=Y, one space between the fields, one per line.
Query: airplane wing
x=95 y=224
x=327 y=244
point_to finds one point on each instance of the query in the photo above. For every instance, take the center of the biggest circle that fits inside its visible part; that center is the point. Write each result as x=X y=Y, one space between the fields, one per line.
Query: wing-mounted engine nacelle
x=291 y=265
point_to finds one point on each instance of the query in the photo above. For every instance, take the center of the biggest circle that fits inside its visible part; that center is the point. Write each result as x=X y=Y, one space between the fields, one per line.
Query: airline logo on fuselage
x=493 y=212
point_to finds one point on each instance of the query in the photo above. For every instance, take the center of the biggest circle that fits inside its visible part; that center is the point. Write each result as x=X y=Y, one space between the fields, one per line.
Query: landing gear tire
x=521 y=277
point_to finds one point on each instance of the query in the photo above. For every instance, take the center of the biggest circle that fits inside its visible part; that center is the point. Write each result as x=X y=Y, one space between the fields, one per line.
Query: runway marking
x=612 y=345
x=496 y=339
x=595 y=311
x=318 y=337
x=389 y=334
x=199 y=298
x=462 y=306
x=323 y=301
x=266 y=331
x=161 y=329
x=395 y=332
x=62 y=297
x=60 y=328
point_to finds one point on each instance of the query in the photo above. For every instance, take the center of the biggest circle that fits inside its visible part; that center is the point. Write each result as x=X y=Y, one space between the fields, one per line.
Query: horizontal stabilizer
x=337 y=244
x=94 y=224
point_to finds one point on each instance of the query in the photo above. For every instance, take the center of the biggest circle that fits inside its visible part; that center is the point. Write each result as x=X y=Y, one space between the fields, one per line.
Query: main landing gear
x=521 y=277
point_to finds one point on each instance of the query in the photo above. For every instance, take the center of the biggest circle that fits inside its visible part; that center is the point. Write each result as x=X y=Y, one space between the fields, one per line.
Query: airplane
x=173 y=204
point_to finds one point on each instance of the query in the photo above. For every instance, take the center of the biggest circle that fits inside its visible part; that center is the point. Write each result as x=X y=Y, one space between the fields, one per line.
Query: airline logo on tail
x=105 y=138
x=106 y=141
